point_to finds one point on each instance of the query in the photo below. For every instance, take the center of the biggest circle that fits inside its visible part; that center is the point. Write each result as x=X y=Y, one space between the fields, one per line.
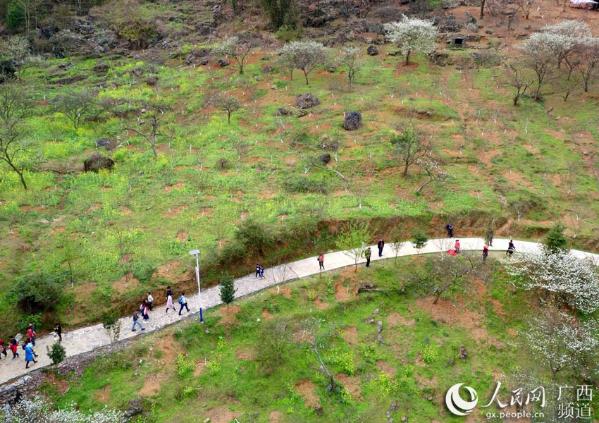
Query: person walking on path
x=3 y=348
x=449 y=229
x=457 y=246
x=29 y=354
x=14 y=347
x=31 y=333
x=381 y=245
x=485 y=252
x=58 y=331
x=150 y=301
x=510 y=248
x=183 y=303
x=169 y=300
x=143 y=309
x=489 y=236
x=321 y=261
x=136 y=322
x=367 y=254
x=258 y=270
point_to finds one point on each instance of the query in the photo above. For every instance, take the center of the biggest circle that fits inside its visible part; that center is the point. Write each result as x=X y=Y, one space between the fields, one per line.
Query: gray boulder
x=97 y=162
x=352 y=121
x=306 y=101
x=106 y=143
x=372 y=50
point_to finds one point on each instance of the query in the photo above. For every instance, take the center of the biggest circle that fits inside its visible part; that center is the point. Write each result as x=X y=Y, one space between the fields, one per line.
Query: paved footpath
x=86 y=339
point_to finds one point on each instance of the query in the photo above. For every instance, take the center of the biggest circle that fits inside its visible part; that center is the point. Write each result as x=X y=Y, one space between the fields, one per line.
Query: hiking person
x=261 y=273
x=489 y=236
x=367 y=254
x=14 y=347
x=183 y=303
x=58 y=331
x=144 y=310
x=381 y=245
x=449 y=229
x=29 y=354
x=258 y=270
x=136 y=322
x=150 y=301
x=321 y=261
x=169 y=300
x=510 y=248
x=457 y=246
x=485 y=252
x=3 y=348
x=31 y=333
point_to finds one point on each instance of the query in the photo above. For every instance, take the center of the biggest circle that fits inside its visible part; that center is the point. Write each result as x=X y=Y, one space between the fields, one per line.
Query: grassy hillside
x=255 y=359
x=128 y=230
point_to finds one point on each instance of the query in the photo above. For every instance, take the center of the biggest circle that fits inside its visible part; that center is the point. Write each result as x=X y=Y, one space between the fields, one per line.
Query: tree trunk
x=408 y=57
x=228 y=117
x=18 y=172
x=482 y=8
x=406 y=167
x=306 y=76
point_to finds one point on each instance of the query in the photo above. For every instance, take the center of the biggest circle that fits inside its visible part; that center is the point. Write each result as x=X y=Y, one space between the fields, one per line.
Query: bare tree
x=351 y=61
x=149 y=123
x=589 y=60
x=238 y=48
x=227 y=103
x=525 y=6
x=303 y=55
x=76 y=105
x=13 y=110
x=450 y=272
x=409 y=147
x=518 y=80
x=432 y=170
x=354 y=241
x=29 y=8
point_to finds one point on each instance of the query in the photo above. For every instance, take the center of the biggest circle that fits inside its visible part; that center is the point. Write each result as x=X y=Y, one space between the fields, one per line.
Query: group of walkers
x=148 y=304
x=453 y=251
x=259 y=271
x=27 y=345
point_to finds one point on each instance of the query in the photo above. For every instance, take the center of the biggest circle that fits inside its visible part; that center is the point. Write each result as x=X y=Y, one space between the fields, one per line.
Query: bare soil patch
x=200 y=364
x=275 y=417
x=447 y=312
x=247 y=354
x=220 y=415
x=228 y=314
x=308 y=392
x=351 y=384
x=321 y=305
x=386 y=368
x=342 y=292
x=396 y=319
x=178 y=186
x=266 y=315
x=152 y=384
x=174 y=211
x=103 y=395
x=126 y=283
x=350 y=335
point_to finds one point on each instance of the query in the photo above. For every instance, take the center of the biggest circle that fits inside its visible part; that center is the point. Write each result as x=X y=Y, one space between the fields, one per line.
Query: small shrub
x=419 y=239
x=33 y=319
x=555 y=241
x=57 y=353
x=303 y=184
x=429 y=354
x=185 y=366
x=254 y=236
x=227 y=289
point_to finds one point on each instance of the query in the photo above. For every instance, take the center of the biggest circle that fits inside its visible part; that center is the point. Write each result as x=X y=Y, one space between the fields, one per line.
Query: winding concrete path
x=86 y=339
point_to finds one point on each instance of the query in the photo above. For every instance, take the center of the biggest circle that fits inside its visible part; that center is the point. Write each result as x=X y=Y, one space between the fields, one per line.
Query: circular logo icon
x=456 y=404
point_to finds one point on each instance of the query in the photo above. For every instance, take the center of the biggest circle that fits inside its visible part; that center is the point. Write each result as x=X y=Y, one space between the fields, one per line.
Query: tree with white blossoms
x=569 y=33
x=350 y=60
x=303 y=55
x=540 y=51
x=39 y=410
x=563 y=342
x=569 y=279
x=412 y=35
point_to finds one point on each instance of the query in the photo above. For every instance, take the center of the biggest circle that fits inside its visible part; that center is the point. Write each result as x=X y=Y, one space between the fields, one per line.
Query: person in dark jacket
x=449 y=229
x=58 y=331
x=485 y=252
x=367 y=254
x=381 y=245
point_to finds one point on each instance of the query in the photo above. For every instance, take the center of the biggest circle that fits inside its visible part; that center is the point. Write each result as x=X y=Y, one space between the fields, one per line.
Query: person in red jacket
x=31 y=334
x=14 y=346
x=485 y=252
x=457 y=246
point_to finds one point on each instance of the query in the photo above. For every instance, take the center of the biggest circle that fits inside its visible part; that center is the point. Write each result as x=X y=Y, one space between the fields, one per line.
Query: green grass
x=464 y=114
x=414 y=366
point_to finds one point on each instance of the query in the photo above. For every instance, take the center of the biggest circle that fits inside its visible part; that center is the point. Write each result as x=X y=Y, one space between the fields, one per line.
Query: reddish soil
x=396 y=319
x=386 y=368
x=350 y=335
x=220 y=415
x=228 y=314
x=351 y=384
x=307 y=390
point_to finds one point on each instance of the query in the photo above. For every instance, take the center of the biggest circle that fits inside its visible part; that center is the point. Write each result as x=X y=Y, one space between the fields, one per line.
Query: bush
x=15 y=15
x=38 y=292
x=419 y=239
x=555 y=241
x=33 y=319
x=185 y=366
x=227 y=289
x=57 y=353
x=274 y=342
x=281 y=13
x=254 y=237
x=303 y=184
